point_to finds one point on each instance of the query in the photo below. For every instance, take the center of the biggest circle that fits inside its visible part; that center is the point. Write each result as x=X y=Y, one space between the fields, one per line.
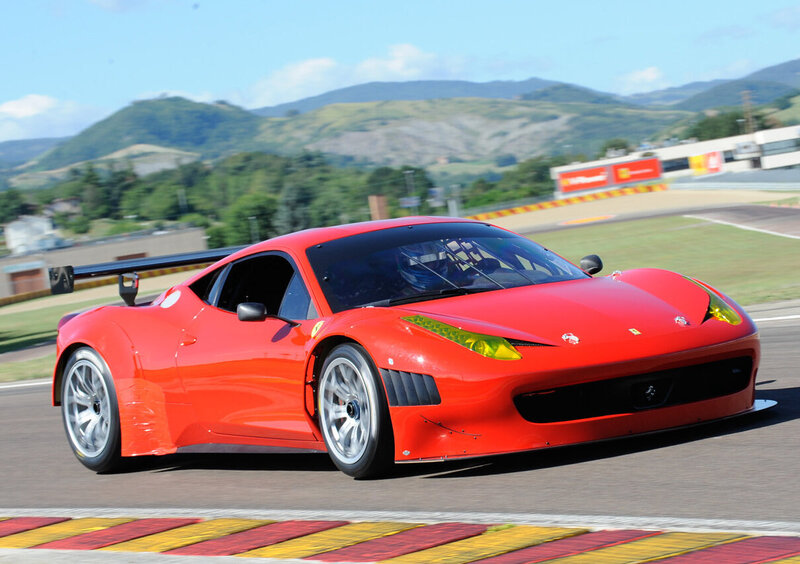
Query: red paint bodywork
x=190 y=376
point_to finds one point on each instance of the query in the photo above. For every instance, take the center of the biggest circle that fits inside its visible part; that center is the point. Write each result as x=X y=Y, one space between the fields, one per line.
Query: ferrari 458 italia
x=403 y=340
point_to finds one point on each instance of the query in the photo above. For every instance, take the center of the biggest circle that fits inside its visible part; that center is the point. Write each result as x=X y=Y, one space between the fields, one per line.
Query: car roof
x=301 y=240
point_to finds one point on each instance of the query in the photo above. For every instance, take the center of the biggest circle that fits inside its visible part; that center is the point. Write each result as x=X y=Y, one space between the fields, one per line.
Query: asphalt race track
x=743 y=469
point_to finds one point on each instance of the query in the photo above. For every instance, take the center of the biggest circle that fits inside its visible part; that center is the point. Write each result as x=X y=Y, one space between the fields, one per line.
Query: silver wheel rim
x=345 y=410
x=87 y=408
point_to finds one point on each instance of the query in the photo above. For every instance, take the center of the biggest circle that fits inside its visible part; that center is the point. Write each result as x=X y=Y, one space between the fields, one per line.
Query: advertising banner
x=584 y=179
x=708 y=163
x=636 y=171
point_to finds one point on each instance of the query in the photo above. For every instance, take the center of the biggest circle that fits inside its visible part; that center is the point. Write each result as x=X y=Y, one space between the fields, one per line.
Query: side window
x=296 y=302
x=270 y=280
x=205 y=285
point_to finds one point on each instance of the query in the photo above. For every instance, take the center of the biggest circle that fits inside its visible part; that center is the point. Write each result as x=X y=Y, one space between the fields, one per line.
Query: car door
x=246 y=378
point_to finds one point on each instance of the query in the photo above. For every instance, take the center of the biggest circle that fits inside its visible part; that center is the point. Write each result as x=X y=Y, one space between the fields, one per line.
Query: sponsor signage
x=707 y=163
x=584 y=179
x=636 y=171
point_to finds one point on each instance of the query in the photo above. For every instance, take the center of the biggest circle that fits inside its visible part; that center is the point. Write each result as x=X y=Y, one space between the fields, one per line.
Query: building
x=30 y=234
x=763 y=150
x=21 y=274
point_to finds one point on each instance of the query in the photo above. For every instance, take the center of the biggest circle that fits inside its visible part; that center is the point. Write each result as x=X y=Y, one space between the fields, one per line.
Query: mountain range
x=393 y=123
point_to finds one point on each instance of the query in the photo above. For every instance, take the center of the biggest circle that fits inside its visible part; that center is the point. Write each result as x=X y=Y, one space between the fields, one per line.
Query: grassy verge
x=24 y=329
x=28 y=369
x=750 y=267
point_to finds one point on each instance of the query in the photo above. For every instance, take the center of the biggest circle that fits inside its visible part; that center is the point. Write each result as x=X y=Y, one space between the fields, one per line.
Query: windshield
x=407 y=264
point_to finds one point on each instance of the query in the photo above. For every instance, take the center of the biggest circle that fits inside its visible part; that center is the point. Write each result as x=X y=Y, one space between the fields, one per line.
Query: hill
x=730 y=94
x=569 y=93
x=785 y=73
x=672 y=95
x=412 y=90
x=208 y=129
x=462 y=129
x=15 y=153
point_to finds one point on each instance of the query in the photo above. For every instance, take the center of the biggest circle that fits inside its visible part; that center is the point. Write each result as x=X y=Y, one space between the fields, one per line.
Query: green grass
x=28 y=369
x=750 y=267
x=25 y=329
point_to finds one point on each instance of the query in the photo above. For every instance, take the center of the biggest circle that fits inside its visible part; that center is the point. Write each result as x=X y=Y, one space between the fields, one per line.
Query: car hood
x=648 y=302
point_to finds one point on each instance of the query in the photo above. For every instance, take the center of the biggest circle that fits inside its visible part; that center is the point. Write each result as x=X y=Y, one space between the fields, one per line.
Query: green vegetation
x=28 y=369
x=730 y=94
x=20 y=330
x=570 y=93
x=211 y=129
x=787 y=110
x=750 y=267
x=254 y=196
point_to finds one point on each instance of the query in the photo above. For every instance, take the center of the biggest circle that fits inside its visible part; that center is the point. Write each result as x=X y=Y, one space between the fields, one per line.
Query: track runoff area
x=161 y=535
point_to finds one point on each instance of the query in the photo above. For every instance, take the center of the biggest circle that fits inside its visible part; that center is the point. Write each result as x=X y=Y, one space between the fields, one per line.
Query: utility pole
x=409 y=174
x=747 y=106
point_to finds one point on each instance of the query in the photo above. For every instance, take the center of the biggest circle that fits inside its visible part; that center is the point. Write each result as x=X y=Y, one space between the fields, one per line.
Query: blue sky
x=64 y=64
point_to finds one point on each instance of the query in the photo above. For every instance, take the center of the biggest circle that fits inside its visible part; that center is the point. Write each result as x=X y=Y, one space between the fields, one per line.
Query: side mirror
x=251 y=311
x=591 y=264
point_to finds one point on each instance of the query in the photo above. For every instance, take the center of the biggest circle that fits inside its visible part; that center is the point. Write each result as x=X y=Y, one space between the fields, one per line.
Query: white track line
x=34 y=384
x=746 y=228
x=588 y=521
x=782 y=318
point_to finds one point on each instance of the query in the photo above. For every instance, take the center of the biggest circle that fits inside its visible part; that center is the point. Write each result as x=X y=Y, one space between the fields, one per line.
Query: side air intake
x=408 y=388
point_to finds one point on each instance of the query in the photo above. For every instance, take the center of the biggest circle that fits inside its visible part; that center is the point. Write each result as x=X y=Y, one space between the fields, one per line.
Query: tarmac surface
x=724 y=492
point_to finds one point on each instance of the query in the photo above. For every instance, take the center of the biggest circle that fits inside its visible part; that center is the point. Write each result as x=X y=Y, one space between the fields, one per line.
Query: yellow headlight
x=485 y=345
x=718 y=308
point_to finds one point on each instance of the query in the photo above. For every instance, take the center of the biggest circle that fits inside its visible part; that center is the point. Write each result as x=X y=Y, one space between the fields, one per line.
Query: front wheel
x=90 y=411
x=353 y=414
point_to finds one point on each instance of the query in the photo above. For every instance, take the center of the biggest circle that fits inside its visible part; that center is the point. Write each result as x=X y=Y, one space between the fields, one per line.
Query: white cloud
x=405 y=62
x=316 y=76
x=295 y=81
x=36 y=115
x=787 y=18
x=27 y=106
x=723 y=33
x=118 y=5
x=643 y=80
x=735 y=69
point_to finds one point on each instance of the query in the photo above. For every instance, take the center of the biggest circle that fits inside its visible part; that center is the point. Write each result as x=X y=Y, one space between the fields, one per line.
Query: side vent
x=408 y=388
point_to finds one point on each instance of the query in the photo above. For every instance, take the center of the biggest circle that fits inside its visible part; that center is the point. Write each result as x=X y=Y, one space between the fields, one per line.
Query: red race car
x=393 y=341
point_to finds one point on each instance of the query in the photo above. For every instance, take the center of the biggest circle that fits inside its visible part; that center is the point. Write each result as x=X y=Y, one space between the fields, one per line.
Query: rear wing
x=62 y=278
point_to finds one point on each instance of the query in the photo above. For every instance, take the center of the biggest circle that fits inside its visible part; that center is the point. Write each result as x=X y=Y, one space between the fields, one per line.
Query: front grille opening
x=636 y=393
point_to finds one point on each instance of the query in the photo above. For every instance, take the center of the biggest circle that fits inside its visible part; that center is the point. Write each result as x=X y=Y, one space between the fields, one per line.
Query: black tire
x=353 y=414
x=90 y=412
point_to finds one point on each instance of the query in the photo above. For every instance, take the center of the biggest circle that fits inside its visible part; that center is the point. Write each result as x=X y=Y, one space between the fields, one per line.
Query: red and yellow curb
x=641 y=189
x=392 y=542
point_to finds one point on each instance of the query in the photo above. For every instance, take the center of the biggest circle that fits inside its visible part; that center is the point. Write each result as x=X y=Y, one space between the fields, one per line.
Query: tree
x=11 y=205
x=95 y=194
x=292 y=213
x=615 y=144
x=250 y=218
x=726 y=124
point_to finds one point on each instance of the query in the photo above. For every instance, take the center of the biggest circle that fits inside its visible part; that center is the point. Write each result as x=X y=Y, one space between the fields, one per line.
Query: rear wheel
x=353 y=414
x=90 y=412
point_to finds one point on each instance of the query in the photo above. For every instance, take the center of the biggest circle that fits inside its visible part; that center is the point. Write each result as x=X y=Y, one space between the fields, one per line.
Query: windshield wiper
x=422 y=296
